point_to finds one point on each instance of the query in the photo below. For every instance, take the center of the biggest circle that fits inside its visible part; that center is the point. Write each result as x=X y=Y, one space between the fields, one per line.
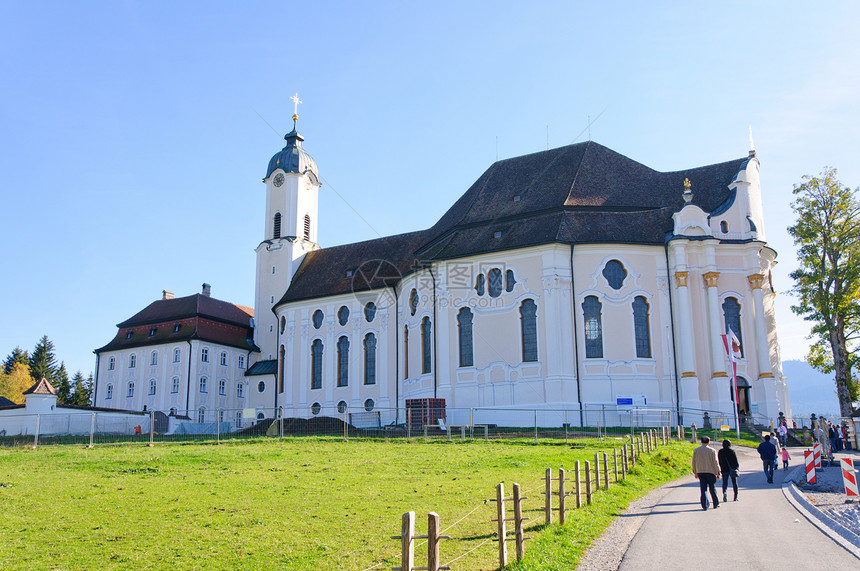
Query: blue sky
x=135 y=134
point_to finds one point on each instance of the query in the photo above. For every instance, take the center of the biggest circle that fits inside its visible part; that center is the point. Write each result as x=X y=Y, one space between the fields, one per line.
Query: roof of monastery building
x=41 y=387
x=195 y=316
x=579 y=194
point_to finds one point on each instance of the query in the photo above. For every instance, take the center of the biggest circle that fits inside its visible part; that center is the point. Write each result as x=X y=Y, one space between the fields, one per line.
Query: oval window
x=370 y=311
x=369 y=404
x=315 y=408
x=261 y=386
x=343 y=315
x=341 y=407
x=318 y=318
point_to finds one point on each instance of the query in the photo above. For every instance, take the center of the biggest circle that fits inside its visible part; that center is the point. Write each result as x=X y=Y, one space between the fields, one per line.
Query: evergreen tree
x=43 y=362
x=81 y=389
x=16 y=356
x=13 y=385
x=60 y=381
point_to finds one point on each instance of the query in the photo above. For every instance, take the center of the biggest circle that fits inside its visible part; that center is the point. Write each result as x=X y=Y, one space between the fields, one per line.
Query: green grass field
x=300 y=503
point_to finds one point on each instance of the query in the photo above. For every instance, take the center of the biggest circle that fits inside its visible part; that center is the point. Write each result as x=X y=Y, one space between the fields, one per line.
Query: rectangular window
x=174 y=386
x=204 y=355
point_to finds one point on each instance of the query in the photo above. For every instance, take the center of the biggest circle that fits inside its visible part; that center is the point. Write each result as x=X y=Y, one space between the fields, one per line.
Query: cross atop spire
x=296 y=102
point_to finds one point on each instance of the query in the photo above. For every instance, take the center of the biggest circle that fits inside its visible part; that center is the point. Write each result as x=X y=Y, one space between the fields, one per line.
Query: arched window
x=370 y=311
x=641 y=328
x=201 y=415
x=261 y=416
x=370 y=359
x=283 y=324
x=132 y=361
x=307 y=227
x=406 y=352
x=732 y=313
x=130 y=392
x=316 y=364
x=479 y=284
x=240 y=390
x=343 y=315
x=724 y=227
x=464 y=326
x=528 y=326
x=413 y=301
x=177 y=355
x=343 y=362
x=276 y=226
x=318 y=318
x=152 y=387
x=204 y=384
x=282 y=361
x=494 y=282
x=222 y=387
x=109 y=392
x=425 y=345
x=153 y=358
x=510 y=282
x=593 y=328
x=223 y=358
x=614 y=273
x=174 y=385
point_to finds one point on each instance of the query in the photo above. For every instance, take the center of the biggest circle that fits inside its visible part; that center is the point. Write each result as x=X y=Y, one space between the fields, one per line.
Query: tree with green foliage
x=43 y=362
x=827 y=283
x=61 y=382
x=16 y=356
x=81 y=389
x=13 y=385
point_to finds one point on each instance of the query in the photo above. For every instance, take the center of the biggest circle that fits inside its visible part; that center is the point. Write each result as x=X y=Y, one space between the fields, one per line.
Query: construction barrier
x=849 y=477
x=816 y=452
x=810 y=466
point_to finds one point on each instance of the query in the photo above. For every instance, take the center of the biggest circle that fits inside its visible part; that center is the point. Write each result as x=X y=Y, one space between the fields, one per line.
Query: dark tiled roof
x=6 y=402
x=190 y=306
x=42 y=387
x=267 y=367
x=583 y=193
x=101 y=409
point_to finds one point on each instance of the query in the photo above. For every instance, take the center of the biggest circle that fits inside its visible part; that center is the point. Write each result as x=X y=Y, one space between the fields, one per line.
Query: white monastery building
x=565 y=280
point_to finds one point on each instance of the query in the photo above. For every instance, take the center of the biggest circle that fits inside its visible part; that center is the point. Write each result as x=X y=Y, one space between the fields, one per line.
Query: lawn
x=294 y=503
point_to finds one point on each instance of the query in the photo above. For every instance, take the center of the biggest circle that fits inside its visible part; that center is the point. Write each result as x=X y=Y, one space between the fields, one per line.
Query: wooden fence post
x=407 y=542
x=615 y=462
x=596 y=471
x=502 y=533
x=632 y=456
x=548 y=499
x=433 y=541
x=605 y=472
x=624 y=462
x=578 y=487
x=693 y=433
x=561 y=496
x=587 y=482
x=518 y=522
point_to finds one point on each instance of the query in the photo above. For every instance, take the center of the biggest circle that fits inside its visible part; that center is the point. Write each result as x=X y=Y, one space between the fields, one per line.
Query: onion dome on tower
x=293 y=158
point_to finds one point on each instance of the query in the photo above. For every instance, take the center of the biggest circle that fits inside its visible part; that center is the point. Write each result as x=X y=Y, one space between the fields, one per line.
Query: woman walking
x=729 y=467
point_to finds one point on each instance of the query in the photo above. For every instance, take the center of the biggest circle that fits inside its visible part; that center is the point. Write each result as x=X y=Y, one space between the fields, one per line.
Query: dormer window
x=350 y=273
x=497 y=234
x=128 y=334
x=517 y=198
x=176 y=328
x=152 y=331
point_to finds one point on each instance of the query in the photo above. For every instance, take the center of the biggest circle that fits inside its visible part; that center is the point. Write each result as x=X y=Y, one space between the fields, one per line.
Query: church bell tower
x=290 y=231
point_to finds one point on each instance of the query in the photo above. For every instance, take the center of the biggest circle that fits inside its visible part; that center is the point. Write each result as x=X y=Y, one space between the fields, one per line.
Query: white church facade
x=561 y=281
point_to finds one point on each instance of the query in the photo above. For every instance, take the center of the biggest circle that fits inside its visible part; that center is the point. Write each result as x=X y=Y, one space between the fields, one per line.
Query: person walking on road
x=767 y=452
x=785 y=458
x=706 y=468
x=775 y=441
x=729 y=467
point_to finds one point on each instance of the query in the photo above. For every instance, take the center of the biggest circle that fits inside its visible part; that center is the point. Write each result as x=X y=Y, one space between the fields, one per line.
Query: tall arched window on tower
x=464 y=325
x=425 y=345
x=641 y=328
x=316 y=364
x=732 y=312
x=528 y=329
x=343 y=362
x=593 y=328
x=281 y=364
x=370 y=359
x=307 y=227
x=276 y=226
x=405 y=351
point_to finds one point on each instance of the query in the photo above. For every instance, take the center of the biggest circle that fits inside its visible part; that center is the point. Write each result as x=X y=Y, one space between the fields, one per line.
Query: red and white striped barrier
x=816 y=452
x=849 y=477
x=810 y=466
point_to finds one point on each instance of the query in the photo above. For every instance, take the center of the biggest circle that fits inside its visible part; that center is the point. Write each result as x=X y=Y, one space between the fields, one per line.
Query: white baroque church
x=565 y=280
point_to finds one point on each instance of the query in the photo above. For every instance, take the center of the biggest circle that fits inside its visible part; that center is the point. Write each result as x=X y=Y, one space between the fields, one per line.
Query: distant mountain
x=809 y=390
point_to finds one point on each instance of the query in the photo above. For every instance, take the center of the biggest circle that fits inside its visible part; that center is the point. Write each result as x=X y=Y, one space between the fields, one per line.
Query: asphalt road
x=762 y=530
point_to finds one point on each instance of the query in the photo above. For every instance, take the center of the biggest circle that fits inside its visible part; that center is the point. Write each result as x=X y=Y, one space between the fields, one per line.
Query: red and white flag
x=735 y=352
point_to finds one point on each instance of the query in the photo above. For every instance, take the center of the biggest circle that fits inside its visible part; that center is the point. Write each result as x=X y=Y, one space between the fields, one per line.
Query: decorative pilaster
x=762 y=346
x=714 y=329
x=685 y=312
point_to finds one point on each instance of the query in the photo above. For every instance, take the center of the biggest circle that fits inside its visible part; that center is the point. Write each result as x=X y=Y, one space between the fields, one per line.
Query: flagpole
x=737 y=402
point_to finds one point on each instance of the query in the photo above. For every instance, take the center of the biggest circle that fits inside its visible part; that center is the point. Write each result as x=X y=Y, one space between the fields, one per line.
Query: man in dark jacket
x=767 y=452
